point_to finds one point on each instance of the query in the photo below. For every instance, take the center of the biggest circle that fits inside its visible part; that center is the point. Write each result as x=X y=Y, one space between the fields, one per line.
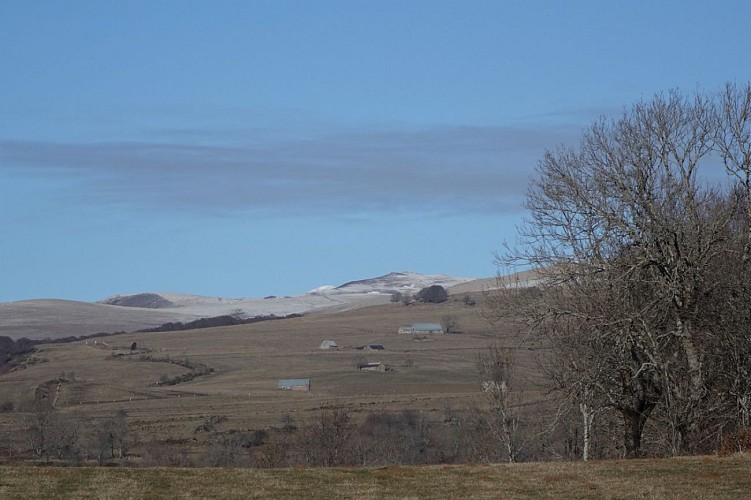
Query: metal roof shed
x=294 y=384
x=427 y=328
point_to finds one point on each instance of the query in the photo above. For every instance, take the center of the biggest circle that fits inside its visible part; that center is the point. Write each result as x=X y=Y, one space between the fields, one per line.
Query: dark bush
x=737 y=442
x=434 y=294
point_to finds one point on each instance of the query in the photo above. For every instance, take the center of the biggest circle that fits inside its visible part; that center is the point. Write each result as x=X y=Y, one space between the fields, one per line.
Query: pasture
x=95 y=378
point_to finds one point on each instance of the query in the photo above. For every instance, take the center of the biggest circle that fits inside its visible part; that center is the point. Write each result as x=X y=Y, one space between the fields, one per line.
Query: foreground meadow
x=694 y=477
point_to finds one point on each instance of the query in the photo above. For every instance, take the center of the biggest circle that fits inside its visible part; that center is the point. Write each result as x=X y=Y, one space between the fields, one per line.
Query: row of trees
x=641 y=237
x=52 y=435
x=332 y=438
x=432 y=294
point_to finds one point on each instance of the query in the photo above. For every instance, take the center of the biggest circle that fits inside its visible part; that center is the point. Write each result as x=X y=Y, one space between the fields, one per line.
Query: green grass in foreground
x=695 y=477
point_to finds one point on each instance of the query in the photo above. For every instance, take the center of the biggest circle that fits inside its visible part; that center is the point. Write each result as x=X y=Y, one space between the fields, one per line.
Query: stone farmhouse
x=329 y=345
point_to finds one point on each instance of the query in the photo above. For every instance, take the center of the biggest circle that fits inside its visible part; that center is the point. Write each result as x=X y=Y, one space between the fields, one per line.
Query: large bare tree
x=627 y=236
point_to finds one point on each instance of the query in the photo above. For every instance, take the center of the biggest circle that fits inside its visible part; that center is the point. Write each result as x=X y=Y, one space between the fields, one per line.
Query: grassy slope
x=695 y=477
x=250 y=358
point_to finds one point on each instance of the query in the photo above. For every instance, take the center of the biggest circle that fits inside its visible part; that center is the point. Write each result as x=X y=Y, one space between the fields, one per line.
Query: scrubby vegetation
x=213 y=322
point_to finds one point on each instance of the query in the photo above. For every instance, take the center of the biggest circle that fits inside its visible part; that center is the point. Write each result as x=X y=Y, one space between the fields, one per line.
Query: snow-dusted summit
x=406 y=282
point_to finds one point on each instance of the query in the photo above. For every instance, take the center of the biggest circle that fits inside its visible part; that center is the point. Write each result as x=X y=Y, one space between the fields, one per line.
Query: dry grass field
x=679 y=478
x=92 y=380
x=103 y=376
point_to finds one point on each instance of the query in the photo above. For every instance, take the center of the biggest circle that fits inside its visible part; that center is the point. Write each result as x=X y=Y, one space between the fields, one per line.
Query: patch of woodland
x=434 y=294
x=18 y=354
x=213 y=322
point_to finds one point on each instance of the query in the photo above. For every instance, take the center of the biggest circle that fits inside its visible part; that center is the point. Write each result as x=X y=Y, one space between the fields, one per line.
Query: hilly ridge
x=45 y=318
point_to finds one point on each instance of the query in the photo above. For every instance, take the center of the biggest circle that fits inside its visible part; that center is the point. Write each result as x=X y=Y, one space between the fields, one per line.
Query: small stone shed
x=294 y=384
x=329 y=345
x=373 y=367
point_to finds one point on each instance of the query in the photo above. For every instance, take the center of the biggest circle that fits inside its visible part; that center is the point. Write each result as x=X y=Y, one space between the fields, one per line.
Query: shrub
x=737 y=442
x=434 y=294
x=360 y=361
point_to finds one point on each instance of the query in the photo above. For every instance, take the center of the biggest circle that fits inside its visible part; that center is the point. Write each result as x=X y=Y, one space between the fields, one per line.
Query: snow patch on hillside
x=347 y=296
x=129 y=312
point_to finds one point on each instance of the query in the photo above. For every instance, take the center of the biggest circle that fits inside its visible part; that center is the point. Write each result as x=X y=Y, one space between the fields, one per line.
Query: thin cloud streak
x=455 y=169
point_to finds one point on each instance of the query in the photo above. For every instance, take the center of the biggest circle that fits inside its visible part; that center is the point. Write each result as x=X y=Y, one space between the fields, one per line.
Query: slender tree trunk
x=745 y=409
x=588 y=417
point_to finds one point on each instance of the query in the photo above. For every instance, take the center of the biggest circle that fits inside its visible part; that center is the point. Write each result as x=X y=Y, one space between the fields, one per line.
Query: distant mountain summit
x=406 y=281
x=146 y=300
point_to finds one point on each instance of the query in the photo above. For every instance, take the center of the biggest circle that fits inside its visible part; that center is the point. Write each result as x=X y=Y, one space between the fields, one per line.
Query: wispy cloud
x=455 y=169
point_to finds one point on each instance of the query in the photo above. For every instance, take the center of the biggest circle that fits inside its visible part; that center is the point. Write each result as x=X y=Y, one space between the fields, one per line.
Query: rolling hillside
x=40 y=319
x=103 y=376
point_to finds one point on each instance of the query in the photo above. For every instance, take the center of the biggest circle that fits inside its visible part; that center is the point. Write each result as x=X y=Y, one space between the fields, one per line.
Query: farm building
x=370 y=347
x=421 y=328
x=373 y=367
x=294 y=384
x=329 y=345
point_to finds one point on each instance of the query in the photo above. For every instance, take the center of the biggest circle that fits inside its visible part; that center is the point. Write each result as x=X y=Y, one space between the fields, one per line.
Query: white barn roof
x=426 y=327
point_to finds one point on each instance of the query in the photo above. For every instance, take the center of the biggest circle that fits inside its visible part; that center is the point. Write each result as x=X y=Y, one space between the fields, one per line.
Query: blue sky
x=243 y=149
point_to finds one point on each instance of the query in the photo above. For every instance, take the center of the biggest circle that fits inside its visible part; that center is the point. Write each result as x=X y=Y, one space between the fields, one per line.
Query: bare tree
x=328 y=440
x=65 y=437
x=39 y=429
x=501 y=399
x=360 y=361
x=625 y=236
x=113 y=437
x=577 y=370
x=450 y=323
x=733 y=143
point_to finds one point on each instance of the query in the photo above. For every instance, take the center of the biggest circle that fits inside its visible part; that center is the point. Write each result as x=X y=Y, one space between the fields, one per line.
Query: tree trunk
x=692 y=357
x=688 y=409
x=633 y=426
x=588 y=417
